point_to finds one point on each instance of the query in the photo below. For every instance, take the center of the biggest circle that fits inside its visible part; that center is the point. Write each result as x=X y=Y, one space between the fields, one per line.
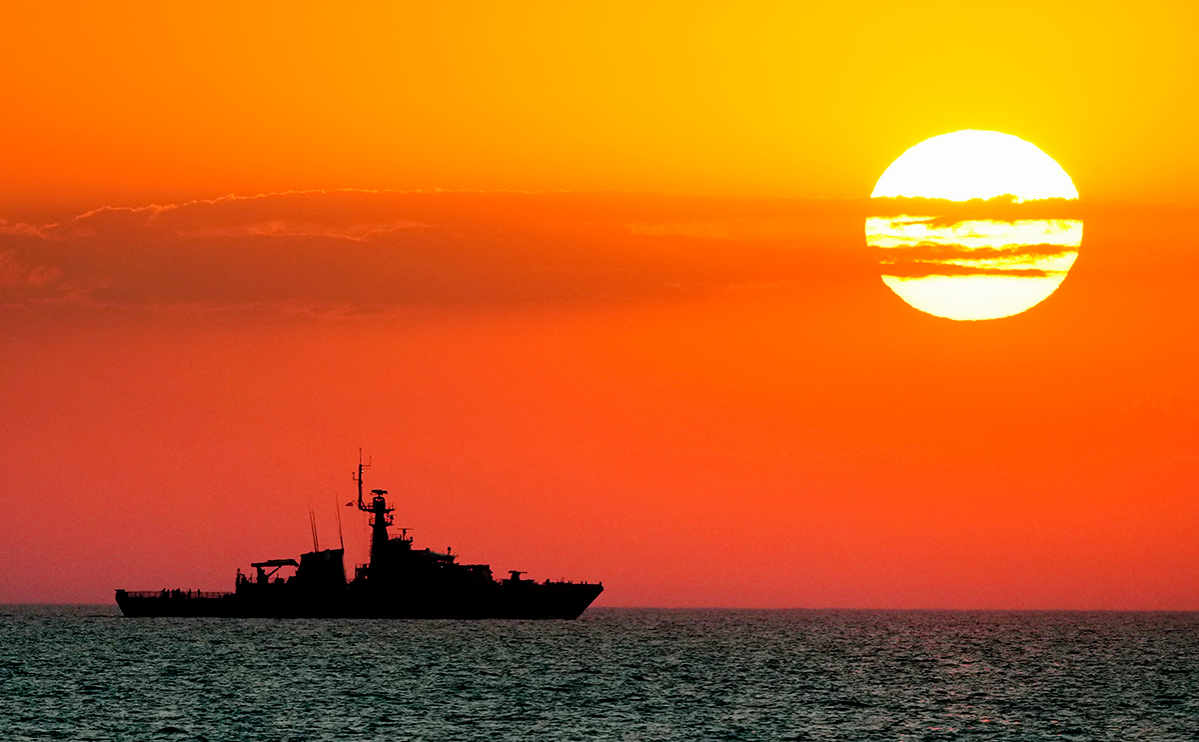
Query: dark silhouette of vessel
x=398 y=582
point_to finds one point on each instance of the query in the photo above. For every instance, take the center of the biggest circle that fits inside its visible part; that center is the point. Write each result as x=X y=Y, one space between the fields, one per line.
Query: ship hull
x=525 y=600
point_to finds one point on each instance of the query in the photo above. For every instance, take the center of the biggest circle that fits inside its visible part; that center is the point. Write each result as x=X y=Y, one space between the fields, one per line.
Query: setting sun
x=974 y=269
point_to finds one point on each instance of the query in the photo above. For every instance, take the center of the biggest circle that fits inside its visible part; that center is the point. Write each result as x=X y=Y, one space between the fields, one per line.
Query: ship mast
x=380 y=517
x=358 y=478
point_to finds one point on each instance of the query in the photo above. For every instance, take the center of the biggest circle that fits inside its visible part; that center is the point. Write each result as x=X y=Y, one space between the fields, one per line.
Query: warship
x=399 y=581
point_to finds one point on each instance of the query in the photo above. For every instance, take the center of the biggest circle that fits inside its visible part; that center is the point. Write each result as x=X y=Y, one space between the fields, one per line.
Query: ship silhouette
x=400 y=581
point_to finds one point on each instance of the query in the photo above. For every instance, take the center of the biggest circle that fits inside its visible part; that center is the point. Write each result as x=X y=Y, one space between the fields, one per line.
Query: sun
x=974 y=268
x=975 y=164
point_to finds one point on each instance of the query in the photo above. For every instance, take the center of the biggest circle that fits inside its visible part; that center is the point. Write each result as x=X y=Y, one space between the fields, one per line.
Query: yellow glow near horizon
x=974 y=269
x=975 y=164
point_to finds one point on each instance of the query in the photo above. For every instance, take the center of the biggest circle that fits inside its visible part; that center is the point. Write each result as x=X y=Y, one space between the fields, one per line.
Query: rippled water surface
x=85 y=674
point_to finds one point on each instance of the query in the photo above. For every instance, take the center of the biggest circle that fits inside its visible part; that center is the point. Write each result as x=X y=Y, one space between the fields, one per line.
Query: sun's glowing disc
x=974 y=269
x=975 y=164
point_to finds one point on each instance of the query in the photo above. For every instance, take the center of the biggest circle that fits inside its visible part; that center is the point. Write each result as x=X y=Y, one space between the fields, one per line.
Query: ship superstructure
x=399 y=581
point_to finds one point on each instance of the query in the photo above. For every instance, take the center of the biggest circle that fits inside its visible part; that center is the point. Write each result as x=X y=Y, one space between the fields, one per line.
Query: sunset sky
x=590 y=283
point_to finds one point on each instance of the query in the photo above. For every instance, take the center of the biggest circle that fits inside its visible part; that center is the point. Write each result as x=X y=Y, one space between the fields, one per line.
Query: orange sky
x=140 y=101
x=672 y=368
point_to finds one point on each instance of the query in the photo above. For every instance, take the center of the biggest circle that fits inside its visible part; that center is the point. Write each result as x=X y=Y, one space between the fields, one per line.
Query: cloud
x=1001 y=207
x=347 y=252
x=14 y=273
x=923 y=270
x=24 y=229
x=937 y=252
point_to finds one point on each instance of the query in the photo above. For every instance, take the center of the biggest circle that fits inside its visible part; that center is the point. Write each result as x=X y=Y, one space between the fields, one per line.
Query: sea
x=85 y=673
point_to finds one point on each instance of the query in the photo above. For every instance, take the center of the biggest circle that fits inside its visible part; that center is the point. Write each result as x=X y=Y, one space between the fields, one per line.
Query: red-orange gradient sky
x=668 y=364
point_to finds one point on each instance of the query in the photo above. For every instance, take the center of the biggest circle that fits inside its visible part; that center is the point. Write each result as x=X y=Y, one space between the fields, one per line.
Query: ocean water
x=83 y=673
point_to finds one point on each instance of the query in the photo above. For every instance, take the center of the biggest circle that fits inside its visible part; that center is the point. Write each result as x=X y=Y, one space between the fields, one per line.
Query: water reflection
x=974 y=269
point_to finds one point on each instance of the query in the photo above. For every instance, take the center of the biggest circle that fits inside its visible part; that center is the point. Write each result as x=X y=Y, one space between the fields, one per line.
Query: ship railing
x=184 y=594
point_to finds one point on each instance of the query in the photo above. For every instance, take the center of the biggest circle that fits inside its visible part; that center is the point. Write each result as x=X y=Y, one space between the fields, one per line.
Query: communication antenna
x=316 y=544
x=358 y=478
x=340 y=537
